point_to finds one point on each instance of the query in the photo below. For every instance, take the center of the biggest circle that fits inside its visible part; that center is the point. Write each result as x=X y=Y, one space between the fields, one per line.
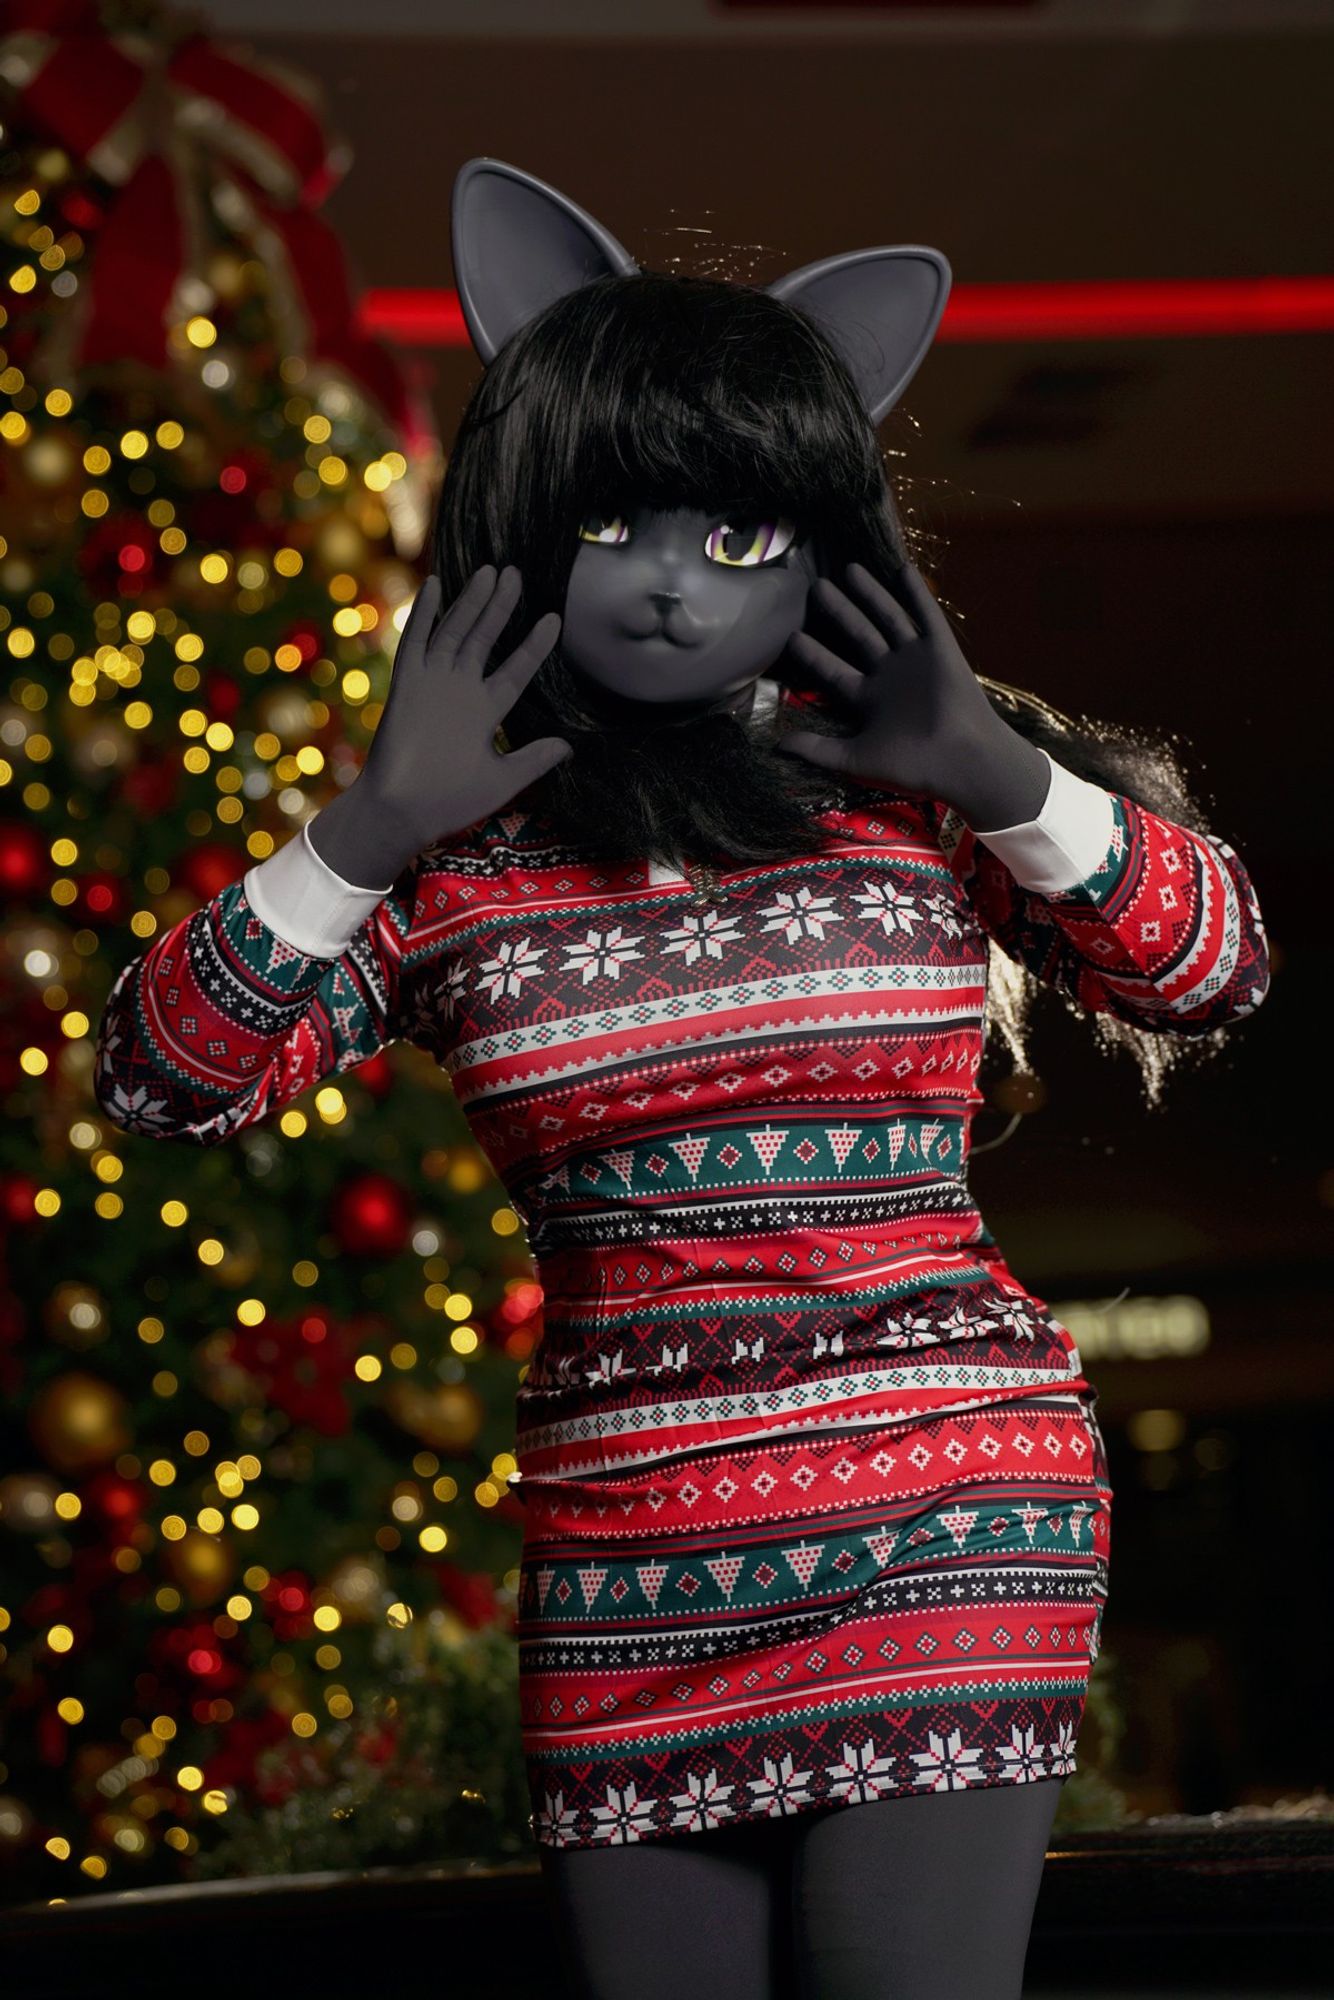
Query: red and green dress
x=817 y=1507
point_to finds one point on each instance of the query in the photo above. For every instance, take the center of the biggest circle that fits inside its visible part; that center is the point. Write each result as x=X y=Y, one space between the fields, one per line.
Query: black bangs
x=661 y=391
x=677 y=392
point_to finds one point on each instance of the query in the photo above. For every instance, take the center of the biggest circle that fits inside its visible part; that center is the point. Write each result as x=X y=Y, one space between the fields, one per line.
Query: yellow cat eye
x=609 y=529
x=750 y=546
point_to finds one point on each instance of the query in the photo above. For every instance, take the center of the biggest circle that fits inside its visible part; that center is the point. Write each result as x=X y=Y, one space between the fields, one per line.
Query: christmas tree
x=259 y=1558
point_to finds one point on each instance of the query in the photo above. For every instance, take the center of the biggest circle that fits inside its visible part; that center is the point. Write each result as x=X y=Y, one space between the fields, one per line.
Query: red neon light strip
x=1136 y=309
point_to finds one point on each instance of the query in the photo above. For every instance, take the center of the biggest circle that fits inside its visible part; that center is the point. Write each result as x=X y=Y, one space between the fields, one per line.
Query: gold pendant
x=704 y=882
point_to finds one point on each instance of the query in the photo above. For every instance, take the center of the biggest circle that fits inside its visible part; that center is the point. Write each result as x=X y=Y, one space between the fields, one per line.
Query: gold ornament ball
x=48 y=461
x=78 y=1421
x=76 y=1315
x=286 y=712
x=102 y=745
x=28 y=1503
x=458 y=1415
x=227 y=274
x=341 y=544
x=448 y=1630
x=358 y=1589
x=240 y=1259
x=39 y=949
x=200 y=1565
x=15 y=1821
x=447 y=1418
x=172 y=905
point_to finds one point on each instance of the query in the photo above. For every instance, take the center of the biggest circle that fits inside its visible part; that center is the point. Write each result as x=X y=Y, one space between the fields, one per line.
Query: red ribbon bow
x=169 y=119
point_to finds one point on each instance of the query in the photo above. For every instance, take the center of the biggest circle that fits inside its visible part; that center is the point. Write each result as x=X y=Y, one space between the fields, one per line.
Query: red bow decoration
x=169 y=119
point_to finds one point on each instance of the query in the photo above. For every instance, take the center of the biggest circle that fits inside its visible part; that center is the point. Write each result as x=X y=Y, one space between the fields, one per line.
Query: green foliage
x=451 y=1788
x=1090 y=1798
x=201 y=567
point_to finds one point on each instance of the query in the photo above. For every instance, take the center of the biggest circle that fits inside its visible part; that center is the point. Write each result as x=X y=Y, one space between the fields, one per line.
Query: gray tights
x=928 y=1897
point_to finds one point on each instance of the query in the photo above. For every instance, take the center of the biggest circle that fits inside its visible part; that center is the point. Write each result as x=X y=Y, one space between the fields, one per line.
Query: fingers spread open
x=884 y=607
x=513 y=674
x=866 y=637
x=846 y=680
x=924 y=606
x=457 y=622
x=493 y=617
x=414 y=637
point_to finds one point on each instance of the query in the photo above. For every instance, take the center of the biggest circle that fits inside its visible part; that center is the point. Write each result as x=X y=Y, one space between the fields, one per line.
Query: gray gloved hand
x=921 y=718
x=433 y=767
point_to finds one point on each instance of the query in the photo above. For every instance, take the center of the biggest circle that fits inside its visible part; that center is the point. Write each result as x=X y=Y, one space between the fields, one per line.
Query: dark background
x=1138 y=529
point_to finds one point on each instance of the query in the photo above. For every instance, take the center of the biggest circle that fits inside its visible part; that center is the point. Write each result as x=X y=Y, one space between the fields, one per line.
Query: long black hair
x=667 y=390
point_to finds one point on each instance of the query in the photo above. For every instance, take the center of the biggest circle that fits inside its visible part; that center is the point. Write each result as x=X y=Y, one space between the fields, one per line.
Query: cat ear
x=879 y=308
x=518 y=245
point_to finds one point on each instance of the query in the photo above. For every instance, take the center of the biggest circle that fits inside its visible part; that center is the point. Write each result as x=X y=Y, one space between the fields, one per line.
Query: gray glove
x=433 y=766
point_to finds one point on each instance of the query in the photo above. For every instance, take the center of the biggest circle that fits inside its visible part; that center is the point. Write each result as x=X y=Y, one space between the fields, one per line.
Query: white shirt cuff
x=1067 y=841
x=301 y=898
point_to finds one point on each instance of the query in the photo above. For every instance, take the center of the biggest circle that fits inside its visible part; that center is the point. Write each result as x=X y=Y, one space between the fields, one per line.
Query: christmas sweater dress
x=817 y=1506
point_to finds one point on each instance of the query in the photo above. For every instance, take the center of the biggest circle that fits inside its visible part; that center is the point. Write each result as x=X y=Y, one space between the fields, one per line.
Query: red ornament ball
x=376 y=1074
x=120 y=554
x=116 y=1504
x=151 y=789
x=471 y=1593
x=372 y=1216
x=25 y=866
x=101 y=897
x=210 y=866
x=223 y=695
x=18 y=1198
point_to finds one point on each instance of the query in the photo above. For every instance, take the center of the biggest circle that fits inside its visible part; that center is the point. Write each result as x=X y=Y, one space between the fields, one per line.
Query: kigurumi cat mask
x=670 y=462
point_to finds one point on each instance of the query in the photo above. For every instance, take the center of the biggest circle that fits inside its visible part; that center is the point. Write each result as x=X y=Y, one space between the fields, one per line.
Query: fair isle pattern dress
x=817 y=1507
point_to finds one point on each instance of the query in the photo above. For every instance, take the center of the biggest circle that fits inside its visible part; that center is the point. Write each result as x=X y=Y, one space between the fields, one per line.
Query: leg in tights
x=923 y=1898
x=672 y=1918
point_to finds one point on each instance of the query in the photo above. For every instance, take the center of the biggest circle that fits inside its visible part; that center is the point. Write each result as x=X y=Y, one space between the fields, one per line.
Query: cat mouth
x=682 y=645
x=676 y=627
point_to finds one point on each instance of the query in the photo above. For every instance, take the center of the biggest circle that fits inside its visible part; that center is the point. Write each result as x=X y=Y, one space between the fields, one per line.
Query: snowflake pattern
x=625 y=1817
x=702 y=934
x=1022 y=1758
x=860 y=1775
x=892 y=908
x=602 y=956
x=779 y=1791
x=554 y=1823
x=801 y=913
x=703 y=1804
x=1063 y=1751
x=947 y=1766
x=517 y=959
x=443 y=994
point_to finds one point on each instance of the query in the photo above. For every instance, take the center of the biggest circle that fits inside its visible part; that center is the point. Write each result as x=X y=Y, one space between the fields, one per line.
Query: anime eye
x=751 y=545
x=609 y=529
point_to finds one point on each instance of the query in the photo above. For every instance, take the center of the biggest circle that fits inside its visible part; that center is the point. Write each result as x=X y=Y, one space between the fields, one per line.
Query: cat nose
x=663 y=600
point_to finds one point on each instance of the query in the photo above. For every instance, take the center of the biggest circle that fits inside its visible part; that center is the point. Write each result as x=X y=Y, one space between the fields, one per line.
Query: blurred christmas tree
x=257 y=1398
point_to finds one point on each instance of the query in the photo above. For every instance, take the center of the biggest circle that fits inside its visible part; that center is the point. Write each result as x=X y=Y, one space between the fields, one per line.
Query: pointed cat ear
x=518 y=245
x=879 y=308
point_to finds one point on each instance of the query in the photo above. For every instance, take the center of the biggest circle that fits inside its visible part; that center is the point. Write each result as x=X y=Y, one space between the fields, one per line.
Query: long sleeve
x=283 y=978
x=1128 y=913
